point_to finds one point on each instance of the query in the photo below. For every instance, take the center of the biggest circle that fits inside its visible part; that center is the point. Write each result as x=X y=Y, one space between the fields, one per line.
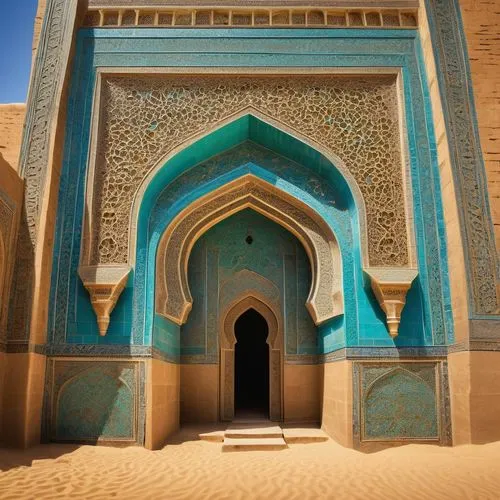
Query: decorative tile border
x=469 y=175
x=381 y=353
x=94 y=350
x=45 y=93
x=240 y=17
x=352 y=353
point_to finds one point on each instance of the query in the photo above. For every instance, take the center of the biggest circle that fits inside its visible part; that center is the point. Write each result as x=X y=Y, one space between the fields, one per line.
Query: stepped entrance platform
x=261 y=435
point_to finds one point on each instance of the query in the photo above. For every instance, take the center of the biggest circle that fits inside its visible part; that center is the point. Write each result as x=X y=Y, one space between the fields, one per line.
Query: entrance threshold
x=263 y=435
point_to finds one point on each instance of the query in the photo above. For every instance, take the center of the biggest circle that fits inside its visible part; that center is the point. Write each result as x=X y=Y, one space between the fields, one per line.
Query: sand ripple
x=190 y=469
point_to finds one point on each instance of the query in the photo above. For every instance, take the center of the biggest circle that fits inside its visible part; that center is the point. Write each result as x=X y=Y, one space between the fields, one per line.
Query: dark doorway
x=251 y=381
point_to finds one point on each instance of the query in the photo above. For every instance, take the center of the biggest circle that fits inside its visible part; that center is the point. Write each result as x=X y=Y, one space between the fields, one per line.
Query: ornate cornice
x=332 y=4
x=250 y=15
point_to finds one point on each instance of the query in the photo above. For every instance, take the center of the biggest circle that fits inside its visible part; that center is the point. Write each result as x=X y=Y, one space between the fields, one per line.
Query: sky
x=16 y=32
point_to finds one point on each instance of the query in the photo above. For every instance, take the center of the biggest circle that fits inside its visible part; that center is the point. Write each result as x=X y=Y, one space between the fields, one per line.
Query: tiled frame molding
x=462 y=150
x=393 y=42
x=39 y=166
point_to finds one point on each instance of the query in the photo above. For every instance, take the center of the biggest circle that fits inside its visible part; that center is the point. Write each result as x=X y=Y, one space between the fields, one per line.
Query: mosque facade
x=272 y=208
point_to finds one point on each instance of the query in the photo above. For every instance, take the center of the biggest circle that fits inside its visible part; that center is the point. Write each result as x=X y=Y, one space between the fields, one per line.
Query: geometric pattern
x=142 y=120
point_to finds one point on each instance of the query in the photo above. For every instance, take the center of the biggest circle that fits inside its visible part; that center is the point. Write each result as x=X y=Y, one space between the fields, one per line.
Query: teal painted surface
x=400 y=404
x=246 y=158
x=98 y=403
x=215 y=271
x=426 y=319
x=363 y=322
x=166 y=337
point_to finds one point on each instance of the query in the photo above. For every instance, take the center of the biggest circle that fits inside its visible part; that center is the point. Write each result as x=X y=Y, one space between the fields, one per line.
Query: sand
x=194 y=469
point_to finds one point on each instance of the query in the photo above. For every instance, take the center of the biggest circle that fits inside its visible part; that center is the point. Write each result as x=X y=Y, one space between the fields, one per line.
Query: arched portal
x=271 y=314
x=251 y=366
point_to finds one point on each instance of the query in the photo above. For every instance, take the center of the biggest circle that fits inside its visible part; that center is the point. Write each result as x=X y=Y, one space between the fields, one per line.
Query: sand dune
x=192 y=469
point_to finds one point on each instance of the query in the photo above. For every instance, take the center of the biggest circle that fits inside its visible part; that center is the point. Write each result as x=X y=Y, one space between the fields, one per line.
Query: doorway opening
x=251 y=381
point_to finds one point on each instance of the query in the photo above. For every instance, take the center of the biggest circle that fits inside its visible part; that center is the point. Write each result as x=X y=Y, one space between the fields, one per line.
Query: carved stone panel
x=143 y=120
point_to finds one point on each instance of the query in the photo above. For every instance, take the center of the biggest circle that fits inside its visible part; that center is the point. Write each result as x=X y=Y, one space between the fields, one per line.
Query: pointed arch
x=249 y=111
x=173 y=298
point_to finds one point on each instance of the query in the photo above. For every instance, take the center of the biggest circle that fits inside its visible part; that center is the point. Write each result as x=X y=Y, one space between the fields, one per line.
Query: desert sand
x=192 y=469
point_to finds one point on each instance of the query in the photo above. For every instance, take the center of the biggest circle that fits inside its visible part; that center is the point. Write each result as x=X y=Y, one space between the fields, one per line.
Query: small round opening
x=249 y=239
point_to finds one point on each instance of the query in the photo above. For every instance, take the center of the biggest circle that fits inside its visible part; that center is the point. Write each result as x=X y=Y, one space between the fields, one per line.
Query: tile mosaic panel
x=400 y=401
x=356 y=118
x=95 y=400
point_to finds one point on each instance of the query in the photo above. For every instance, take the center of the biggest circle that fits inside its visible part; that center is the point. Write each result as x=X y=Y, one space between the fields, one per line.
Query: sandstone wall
x=481 y=20
x=11 y=130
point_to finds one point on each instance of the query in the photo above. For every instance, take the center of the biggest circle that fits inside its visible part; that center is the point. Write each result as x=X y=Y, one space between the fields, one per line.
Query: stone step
x=213 y=437
x=252 y=444
x=304 y=435
x=239 y=431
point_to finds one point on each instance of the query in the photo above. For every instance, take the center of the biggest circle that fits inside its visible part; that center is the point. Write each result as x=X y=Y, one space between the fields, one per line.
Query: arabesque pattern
x=143 y=119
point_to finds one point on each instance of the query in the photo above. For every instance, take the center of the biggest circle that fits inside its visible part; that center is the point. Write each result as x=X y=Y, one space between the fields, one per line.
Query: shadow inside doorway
x=251 y=384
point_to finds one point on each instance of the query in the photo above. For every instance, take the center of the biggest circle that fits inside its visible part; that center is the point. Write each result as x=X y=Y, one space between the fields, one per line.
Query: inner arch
x=173 y=297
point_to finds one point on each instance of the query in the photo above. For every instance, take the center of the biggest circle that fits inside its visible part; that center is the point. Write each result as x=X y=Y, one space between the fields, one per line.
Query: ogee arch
x=272 y=314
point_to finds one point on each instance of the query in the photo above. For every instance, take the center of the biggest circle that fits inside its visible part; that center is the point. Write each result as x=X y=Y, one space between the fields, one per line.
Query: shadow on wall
x=94 y=401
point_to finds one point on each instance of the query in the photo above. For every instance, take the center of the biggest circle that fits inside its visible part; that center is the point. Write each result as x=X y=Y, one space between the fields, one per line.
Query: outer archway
x=173 y=298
